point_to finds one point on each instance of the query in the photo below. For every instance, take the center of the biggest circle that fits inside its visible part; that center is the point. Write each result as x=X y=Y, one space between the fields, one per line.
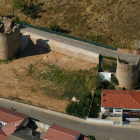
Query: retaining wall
x=64 y=48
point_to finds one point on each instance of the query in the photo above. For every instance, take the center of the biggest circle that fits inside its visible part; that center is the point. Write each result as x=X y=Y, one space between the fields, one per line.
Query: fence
x=68 y=36
x=99 y=121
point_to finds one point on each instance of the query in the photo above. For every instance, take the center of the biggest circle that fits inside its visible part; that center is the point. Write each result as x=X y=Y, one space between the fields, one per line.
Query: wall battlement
x=127 y=74
x=9 y=38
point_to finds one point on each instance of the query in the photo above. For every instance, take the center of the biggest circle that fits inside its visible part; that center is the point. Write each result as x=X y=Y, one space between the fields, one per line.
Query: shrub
x=136 y=87
x=114 y=80
x=111 y=86
x=81 y=108
x=108 y=85
x=16 y=19
x=91 y=137
x=54 y=27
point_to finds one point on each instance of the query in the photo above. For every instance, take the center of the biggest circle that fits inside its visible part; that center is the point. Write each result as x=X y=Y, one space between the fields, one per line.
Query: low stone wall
x=102 y=121
x=64 y=48
x=42 y=125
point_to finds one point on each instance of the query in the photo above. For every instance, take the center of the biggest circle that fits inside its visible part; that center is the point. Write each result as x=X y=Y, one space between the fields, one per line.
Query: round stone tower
x=127 y=74
x=9 y=38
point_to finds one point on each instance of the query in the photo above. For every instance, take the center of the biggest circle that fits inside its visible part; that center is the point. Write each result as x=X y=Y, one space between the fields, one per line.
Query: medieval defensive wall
x=9 y=38
x=127 y=74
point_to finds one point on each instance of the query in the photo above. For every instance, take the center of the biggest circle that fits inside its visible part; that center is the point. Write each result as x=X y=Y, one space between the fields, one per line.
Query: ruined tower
x=127 y=74
x=9 y=38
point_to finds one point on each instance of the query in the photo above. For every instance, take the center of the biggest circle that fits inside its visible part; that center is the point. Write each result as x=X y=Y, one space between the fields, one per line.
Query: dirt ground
x=16 y=85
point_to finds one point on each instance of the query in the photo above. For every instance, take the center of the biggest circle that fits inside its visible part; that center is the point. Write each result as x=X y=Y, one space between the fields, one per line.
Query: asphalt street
x=79 y=44
x=102 y=132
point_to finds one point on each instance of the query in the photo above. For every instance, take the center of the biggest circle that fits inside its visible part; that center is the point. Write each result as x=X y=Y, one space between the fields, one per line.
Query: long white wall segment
x=102 y=121
x=64 y=48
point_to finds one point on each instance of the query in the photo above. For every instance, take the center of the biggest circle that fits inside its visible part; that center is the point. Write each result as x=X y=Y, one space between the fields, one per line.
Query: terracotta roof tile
x=12 y=118
x=121 y=99
x=3 y=136
x=10 y=115
x=57 y=132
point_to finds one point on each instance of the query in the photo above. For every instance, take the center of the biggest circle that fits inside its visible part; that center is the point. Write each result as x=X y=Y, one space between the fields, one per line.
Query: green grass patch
x=6 y=61
x=112 y=58
x=68 y=83
x=15 y=98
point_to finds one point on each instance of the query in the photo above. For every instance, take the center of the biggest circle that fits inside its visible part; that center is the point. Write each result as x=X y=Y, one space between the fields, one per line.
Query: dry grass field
x=34 y=79
x=110 y=22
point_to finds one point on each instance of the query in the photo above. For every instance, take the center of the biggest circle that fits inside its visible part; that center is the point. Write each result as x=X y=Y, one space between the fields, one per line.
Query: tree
x=91 y=137
x=81 y=108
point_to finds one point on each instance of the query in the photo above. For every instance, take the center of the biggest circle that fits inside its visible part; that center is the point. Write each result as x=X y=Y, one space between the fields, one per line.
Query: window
x=118 y=110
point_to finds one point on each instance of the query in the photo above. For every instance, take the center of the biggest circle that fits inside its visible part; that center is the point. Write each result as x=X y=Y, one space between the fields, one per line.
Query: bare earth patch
x=15 y=84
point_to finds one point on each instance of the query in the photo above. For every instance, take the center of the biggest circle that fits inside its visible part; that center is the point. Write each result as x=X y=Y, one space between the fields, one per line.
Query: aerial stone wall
x=64 y=48
x=9 y=40
x=127 y=74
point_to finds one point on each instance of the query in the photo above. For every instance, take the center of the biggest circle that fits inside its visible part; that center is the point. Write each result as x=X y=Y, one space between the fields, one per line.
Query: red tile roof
x=120 y=99
x=7 y=115
x=12 y=118
x=57 y=132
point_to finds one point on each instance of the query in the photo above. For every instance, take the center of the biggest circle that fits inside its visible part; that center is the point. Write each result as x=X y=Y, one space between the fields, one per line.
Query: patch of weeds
x=130 y=1
x=31 y=70
x=54 y=27
x=29 y=102
x=112 y=58
x=65 y=83
x=111 y=67
x=96 y=19
x=39 y=105
x=16 y=19
x=33 y=89
x=16 y=98
x=6 y=61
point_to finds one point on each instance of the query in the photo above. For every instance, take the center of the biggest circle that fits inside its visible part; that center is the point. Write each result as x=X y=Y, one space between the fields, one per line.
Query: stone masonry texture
x=9 y=38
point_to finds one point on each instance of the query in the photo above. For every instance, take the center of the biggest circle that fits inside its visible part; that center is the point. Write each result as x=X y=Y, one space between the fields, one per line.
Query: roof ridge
x=14 y=121
x=13 y=114
x=4 y=133
x=135 y=99
x=65 y=133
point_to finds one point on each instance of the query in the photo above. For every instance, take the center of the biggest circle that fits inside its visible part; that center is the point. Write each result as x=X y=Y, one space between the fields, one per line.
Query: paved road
x=102 y=132
x=97 y=49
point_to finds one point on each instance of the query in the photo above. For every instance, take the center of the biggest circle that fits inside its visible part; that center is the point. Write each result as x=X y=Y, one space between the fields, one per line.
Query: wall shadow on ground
x=40 y=47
